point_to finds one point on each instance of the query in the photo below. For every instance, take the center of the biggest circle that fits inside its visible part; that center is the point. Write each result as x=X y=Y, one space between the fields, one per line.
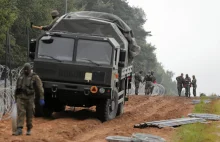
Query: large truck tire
x=38 y=110
x=42 y=111
x=47 y=112
x=120 y=110
x=107 y=108
x=59 y=108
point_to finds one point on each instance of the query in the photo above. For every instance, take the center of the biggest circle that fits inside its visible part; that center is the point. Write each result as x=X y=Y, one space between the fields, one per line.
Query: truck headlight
x=102 y=90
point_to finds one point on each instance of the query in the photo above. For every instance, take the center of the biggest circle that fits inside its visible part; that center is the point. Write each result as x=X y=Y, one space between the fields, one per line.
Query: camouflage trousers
x=187 y=90
x=136 y=87
x=179 y=88
x=148 y=88
x=25 y=108
x=194 y=91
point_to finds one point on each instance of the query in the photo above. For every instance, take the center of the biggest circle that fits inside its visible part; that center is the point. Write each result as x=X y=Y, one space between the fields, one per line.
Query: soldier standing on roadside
x=55 y=17
x=180 y=82
x=149 y=79
x=138 y=79
x=187 y=84
x=194 y=85
x=153 y=79
x=28 y=84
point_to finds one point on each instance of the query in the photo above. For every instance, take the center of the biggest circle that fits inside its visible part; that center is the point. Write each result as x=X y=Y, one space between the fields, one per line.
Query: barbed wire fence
x=8 y=78
x=157 y=90
x=7 y=88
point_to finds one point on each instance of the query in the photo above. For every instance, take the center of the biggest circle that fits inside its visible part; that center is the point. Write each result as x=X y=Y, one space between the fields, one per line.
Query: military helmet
x=54 y=13
x=27 y=66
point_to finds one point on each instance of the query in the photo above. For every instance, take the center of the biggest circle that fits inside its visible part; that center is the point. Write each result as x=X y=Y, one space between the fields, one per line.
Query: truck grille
x=80 y=75
x=71 y=74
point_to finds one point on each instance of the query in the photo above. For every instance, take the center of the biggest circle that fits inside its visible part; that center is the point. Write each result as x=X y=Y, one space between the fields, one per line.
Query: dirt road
x=82 y=126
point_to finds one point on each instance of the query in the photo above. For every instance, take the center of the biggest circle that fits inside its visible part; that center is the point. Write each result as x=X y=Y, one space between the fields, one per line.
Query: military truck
x=85 y=60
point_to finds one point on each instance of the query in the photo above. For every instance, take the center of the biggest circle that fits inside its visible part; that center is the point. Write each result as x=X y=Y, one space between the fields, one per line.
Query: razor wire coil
x=8 y=79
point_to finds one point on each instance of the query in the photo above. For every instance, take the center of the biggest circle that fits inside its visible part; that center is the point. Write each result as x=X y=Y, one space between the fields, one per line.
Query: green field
x=201 y=132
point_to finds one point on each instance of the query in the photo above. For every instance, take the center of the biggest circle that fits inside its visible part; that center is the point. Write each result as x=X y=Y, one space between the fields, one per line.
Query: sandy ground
x=83 y=126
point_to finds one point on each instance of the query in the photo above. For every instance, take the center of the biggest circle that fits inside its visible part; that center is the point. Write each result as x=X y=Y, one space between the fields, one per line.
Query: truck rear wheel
x=120 y=109
x=107 y=108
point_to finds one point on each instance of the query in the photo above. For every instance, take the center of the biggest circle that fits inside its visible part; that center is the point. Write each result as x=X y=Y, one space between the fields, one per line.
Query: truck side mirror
x=32 y=49
x=122 y=58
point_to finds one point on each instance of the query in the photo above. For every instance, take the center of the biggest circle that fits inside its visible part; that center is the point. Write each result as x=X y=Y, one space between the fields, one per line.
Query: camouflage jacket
x=138 y=77
x=48 y=27
x=29 y=86
x=187 y=81
x=149 y=77
x=180 y=80
x=194 y=83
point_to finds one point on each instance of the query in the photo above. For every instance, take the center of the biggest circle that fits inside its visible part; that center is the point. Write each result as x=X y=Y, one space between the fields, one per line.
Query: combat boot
x=19 y=132
x=28 y=132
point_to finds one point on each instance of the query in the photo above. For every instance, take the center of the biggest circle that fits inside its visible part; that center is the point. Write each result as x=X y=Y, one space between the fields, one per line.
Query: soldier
x=138 y=79
x=148 y=79
x=187 y=83
x=180 y=83
x=153 y=80
x=55 y=17
x=28 y=84
x=194 y=85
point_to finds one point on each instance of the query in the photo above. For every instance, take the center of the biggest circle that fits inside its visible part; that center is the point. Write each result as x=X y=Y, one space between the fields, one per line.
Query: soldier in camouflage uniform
x=149 y=79
x=187 y=84
x=55 y=17
x=153 y=79
x=28 y=84
x=180 y=83
x=138 y=79
x=194 y=85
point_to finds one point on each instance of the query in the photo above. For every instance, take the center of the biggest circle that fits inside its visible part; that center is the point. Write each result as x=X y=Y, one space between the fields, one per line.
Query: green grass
x=200 y=132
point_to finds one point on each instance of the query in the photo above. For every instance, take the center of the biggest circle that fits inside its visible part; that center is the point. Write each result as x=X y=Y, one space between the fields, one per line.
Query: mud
x=83 y=126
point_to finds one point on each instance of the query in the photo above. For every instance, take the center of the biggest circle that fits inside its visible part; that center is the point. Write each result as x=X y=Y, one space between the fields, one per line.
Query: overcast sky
x=186 y=35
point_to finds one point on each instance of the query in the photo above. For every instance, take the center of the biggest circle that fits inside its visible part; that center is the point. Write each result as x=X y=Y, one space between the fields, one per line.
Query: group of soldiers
x=186 y=83
x=149 y=80
x=28 y=84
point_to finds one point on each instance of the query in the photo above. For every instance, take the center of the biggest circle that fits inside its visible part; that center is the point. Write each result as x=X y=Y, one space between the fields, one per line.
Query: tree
x=17 y=15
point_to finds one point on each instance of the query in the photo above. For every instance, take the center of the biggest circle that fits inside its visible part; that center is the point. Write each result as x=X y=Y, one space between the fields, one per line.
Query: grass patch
x=200 y=132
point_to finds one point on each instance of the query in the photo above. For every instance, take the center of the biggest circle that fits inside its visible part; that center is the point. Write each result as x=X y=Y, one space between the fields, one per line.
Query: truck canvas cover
x=99 y=24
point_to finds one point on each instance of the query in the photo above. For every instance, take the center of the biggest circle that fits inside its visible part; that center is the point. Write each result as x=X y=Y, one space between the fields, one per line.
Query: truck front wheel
x=47 y=112
x=107 y=108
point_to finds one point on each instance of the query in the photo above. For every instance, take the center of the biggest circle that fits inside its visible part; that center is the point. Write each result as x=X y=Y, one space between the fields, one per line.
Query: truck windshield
x=59 y=49
x=97 y=51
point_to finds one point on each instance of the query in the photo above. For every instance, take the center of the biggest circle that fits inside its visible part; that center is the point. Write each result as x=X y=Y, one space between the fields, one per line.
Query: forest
x=16 y=16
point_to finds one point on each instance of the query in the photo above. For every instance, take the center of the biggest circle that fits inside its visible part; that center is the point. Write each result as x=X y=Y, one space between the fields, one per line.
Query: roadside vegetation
x=16 y=16
x=201 y=132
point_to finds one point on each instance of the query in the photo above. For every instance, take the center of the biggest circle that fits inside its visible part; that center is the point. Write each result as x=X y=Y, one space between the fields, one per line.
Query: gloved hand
x=42 y=103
